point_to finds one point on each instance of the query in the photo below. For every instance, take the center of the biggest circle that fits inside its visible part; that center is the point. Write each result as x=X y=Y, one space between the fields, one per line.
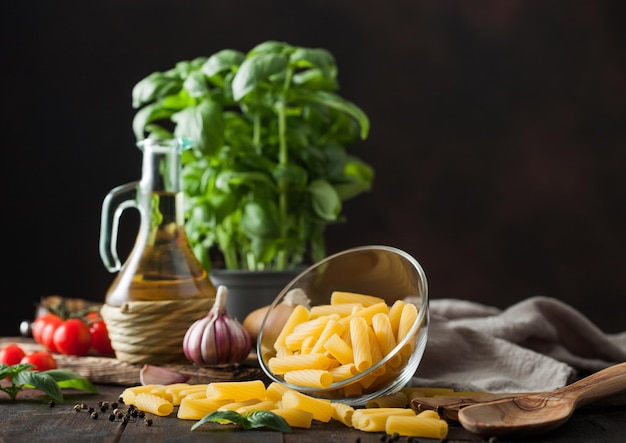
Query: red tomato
x=11 y=354
x=72 y=337
x=48 y=330
x=39 y=324
x=41 y=359
x=100 y=338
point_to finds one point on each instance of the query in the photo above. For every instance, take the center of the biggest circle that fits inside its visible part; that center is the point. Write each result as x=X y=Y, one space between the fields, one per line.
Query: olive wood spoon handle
x=542 y=412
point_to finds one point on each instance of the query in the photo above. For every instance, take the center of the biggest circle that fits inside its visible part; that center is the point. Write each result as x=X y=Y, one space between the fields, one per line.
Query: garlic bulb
x=217 y=339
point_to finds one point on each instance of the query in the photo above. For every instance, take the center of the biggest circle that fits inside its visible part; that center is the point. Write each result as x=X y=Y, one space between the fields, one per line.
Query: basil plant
x=268 y=170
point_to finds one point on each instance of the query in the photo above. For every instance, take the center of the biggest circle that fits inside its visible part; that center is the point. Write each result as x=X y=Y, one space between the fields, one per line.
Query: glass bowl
x=384 y=272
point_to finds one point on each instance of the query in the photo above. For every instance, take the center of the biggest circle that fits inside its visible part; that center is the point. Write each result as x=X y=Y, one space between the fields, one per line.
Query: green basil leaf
x=221 y=62
x=326 y=201
x=203 y=124
x=267 y=419
x=42 y=381
x=70 y=379
x=221 y=417
x=257 y=69
x=154 y=86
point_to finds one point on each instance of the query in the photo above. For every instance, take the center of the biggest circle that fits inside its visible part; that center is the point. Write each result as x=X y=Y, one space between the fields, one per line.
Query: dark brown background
x=498 y=135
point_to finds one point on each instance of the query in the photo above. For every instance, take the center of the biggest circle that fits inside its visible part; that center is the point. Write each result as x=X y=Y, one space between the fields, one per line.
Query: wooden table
x=32 y=419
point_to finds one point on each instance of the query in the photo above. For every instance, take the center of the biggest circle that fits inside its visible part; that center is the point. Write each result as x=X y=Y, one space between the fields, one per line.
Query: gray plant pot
x=250 y=290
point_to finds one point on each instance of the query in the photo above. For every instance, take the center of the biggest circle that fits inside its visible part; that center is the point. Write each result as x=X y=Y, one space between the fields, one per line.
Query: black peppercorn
x=148 y=421
x=94 y=415
x=111 y=417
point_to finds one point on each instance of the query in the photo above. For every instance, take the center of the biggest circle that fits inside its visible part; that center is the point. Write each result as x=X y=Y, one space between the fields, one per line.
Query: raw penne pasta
x=381 y=325
x=233 y=406
x=360 y=343
x=275 y=391
x=236 y=391
x=315 y=378
x=343 y=372
x=195 y=394
x=310 y=328
x=129 y=394
x=430 y=413
x=160 y=391
x=300 y=314
x=296 y=418
x=343 y=310
x=407 y=320
x=332 y=327
x=343 y=413
x=196 y=408
x=366 y=313
x=339 y=297
x=280 y=365
x=416 y=426
x=321 y=409
x=153 y=404
x=374 y=420
x=395 y=400
x=258 y=406
x=395 y=311
x=339 y=349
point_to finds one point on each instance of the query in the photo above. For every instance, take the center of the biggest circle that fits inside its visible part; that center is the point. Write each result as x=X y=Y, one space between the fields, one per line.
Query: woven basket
x=152 y=332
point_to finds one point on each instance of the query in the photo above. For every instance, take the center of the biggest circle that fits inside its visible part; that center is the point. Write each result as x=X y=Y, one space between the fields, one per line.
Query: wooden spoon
x=542 y=412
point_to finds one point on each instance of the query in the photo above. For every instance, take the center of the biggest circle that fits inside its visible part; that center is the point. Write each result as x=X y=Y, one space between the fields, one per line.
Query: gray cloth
x=538 y=344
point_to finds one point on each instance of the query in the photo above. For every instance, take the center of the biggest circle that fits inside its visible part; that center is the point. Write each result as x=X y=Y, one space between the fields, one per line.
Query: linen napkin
x=538 y=344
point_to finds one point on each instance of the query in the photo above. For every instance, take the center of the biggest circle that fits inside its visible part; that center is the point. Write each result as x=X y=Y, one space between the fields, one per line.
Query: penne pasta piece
x=194 y=408
x=315 y=378
x=237 y=391
x=321 y=409
x=343 y=413
x=407 y=319
x=395 y=311
x=153 y=404
x=360 y=343
x=381 y=325
x=259 y=406
x=332 y=327
x=374 y=420
x=281 y=365
x=343 y=372
x=342 y=310
x=395 y=400
x=430 y=413
x=417 y=427
x=233 y=406
x=339 y=349
x=275 y=391
x=366 y=313
x=301 y=331
x=296 y=418
x=129 y=394
x=339 y=297
x=299 y=315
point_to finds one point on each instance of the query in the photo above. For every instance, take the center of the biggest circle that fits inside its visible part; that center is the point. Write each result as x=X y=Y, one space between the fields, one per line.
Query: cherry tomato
x=100 y=338
x=40 y=322
x=41 y=359
x=48 y=330
x=72 y=337
x=11 y=354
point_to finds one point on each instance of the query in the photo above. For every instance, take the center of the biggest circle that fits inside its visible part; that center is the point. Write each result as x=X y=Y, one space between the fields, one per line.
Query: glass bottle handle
x=116 y=201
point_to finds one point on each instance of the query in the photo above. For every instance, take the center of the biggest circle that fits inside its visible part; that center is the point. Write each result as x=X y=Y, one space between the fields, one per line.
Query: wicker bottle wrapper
x=152 y=331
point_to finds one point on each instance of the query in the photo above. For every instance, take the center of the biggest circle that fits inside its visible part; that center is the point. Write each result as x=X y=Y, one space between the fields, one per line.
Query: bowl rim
x=422 y=320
